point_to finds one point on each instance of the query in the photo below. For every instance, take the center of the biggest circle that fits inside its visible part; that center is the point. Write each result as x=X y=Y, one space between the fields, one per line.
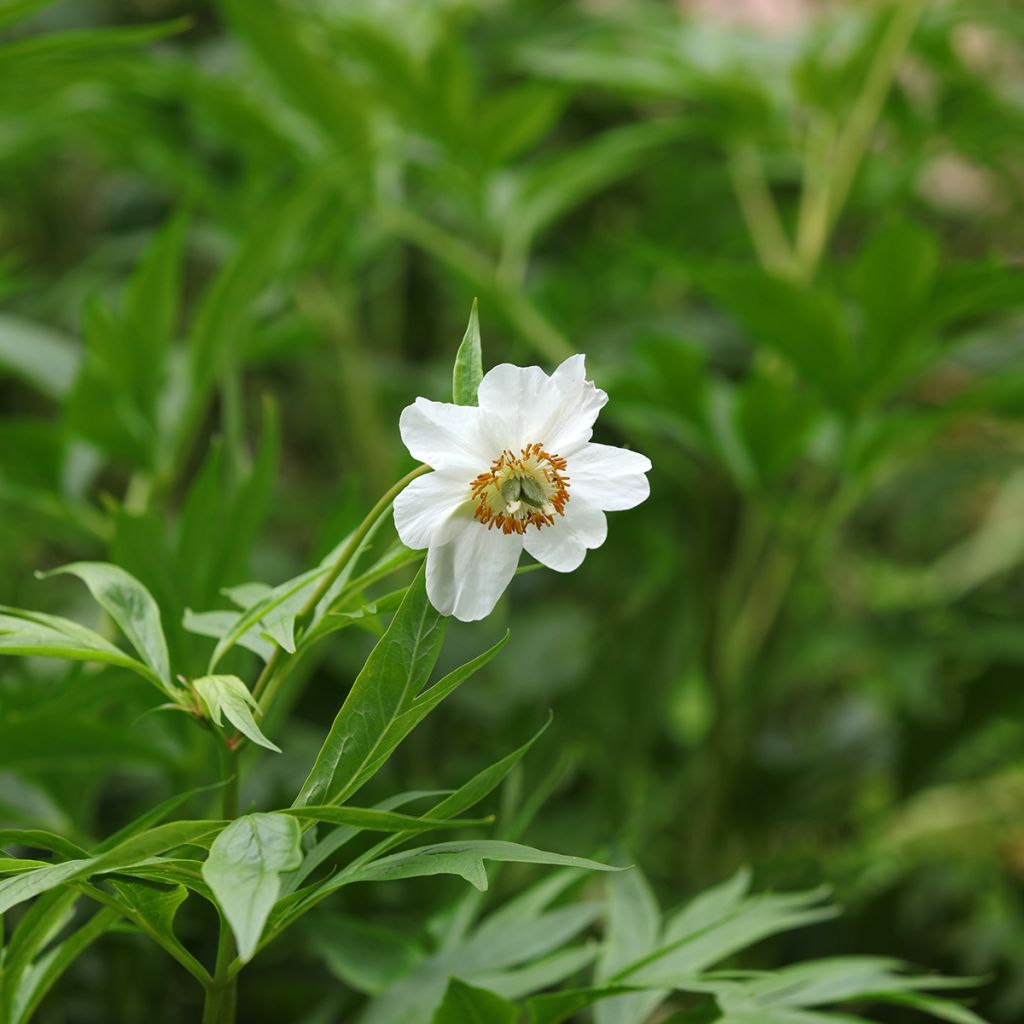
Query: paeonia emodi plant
x=507 y=467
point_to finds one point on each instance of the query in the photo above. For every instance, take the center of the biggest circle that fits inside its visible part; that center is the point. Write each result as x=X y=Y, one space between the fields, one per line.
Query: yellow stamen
x=523 y=490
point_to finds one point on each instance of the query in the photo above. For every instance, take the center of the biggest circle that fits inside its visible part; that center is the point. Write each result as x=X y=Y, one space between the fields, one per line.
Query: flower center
x=528 y=489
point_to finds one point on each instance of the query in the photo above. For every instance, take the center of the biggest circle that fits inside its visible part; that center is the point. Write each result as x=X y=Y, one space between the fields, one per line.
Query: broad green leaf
x=36 y=634
x=395 y=672
x=379 y=821
x=244 y=871
x=469 y=366
x=228 y=697
x=131 y=606
x=464 y=1004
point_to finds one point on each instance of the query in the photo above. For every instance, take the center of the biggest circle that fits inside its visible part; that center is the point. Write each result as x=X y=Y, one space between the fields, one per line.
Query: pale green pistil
x=525 y=489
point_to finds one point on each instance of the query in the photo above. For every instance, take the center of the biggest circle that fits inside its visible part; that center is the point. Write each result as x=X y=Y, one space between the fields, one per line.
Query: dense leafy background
x=237 y=237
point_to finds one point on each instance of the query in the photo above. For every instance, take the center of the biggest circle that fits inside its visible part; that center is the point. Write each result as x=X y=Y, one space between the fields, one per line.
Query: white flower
x=518 y=471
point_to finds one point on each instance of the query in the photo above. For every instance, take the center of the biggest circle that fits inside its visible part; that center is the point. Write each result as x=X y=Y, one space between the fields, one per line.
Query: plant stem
x=220 y=1003
x=830 y=188
x=759 y=210
x=222 y=990
x=263 y=690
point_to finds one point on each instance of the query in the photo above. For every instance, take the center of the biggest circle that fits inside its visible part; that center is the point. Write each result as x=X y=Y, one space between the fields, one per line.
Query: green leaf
x=131 y=606
x=422 y=706
x=244 y=871
x=228 y=697
x=283 y=601
x=131 y=852
x=634 y=925
x=561 y=1006
x=469 y=365
x=464 y=1004
x=465 y=859
x=379 y=821
x=367 y=957
x=397 y=669
x=471 y=793
x=39 y=977
x=36 y=634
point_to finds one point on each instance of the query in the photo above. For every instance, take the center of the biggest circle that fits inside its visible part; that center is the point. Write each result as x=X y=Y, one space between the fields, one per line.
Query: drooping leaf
x=228 y=697
x=244 y=871
x=134 y=850
x=36 y=634
x=131 y=606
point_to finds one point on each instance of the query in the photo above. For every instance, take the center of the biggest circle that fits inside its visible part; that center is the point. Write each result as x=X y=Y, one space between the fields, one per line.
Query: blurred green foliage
x=237 y=237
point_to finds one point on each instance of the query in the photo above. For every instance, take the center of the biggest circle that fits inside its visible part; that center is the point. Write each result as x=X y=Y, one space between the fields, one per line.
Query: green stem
x=831 y=187
x=221 y=994
x=265 y=685
x=760 y=211
x=222 y=988
x=487 y=278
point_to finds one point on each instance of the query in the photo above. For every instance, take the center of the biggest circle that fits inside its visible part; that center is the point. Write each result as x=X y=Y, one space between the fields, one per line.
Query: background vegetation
x=236 y=238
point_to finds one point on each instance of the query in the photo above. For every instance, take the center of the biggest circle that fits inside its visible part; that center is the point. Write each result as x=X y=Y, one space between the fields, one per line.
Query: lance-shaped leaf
x=36 y=634
x=465 y=859
x=136 y=850
x=131 y=606
x=374 y=820
x=469 y=365
x=395 y=672
x=244 y=871
x=228 y=697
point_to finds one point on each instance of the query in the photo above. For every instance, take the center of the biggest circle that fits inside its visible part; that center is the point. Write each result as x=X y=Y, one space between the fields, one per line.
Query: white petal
x=580 y=402
x=466 y=576
x=446 y=436
x=521 y=401
x=432 y=509
x=610 y=478
x=563 y=546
